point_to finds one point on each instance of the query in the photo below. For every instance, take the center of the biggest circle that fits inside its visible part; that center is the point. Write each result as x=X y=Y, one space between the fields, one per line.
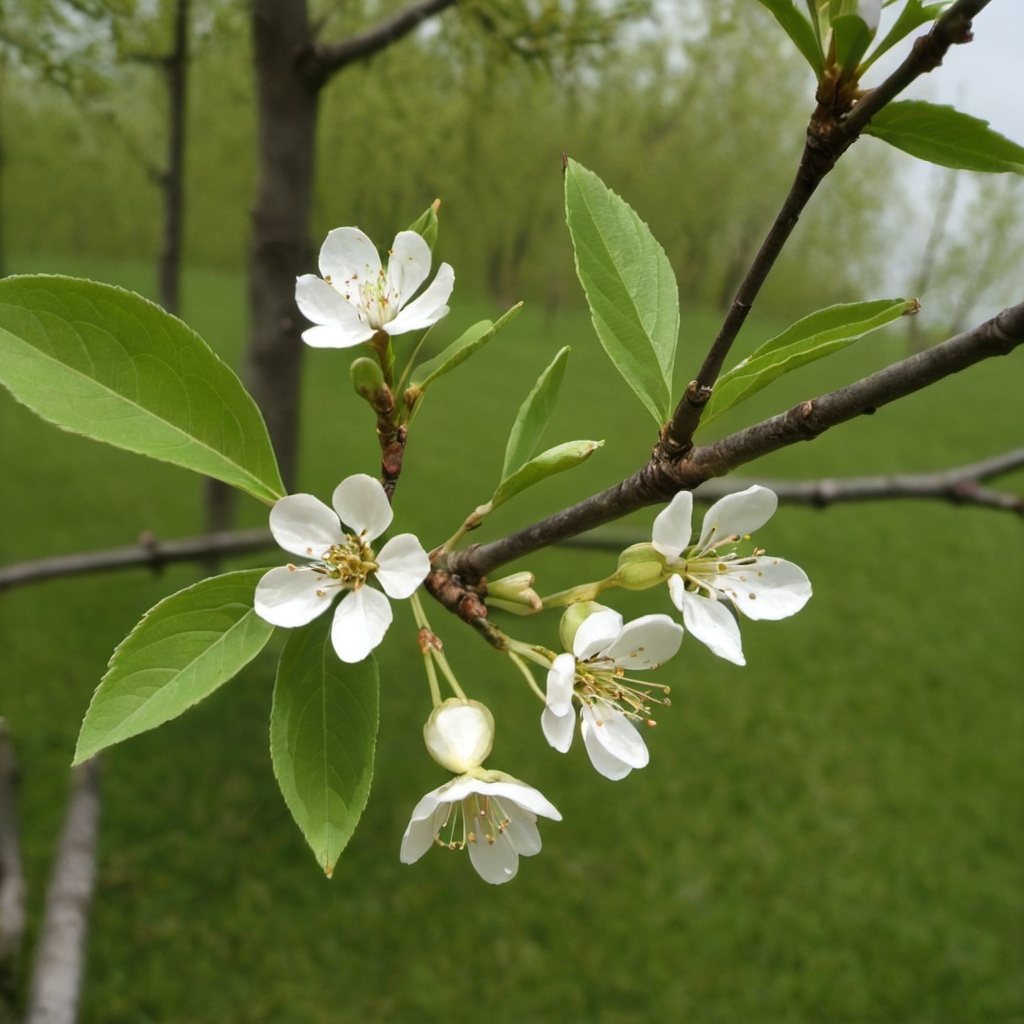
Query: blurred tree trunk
x=172 y=180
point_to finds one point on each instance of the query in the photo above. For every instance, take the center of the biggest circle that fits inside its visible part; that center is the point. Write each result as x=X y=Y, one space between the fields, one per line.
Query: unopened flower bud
x=640 y=567
x=459 y=734
x=515 y=594
x=573 y=619
x=367 y=378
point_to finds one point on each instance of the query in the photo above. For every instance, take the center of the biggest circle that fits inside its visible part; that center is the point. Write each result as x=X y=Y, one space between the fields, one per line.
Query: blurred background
x=831 y=833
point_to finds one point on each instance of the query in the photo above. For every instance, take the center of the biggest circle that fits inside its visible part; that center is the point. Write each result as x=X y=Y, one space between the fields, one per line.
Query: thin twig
x=149 y=553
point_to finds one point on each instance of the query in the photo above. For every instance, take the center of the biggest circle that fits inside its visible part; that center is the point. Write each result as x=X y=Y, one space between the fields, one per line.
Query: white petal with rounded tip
x=408 y=265
x=292 y=597
x=402 y=565
x=335 y=336
x=430 y=307
x=765 y=588
x=558 y=729
x=360 y=622
x=361 y=503
x=304 y=525
x=561 y=679
x=596 y=632
x=495 y=862
x=646 y=642
x=348 y=255
x=522 y=829
x=521 y=794
x=712 y=623
x=427 y=820
x=615 y=734
x=671 y=533
x=740 y=514
x=319 y=302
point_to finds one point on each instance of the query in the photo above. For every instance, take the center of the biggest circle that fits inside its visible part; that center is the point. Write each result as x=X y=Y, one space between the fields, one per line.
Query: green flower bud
x=515 y=594
x=367 y=377
x=573 y=619
x=640 y=567
x=459 y=734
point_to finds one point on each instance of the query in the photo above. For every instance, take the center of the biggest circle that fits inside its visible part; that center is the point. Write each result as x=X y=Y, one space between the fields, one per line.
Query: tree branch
x=57 y=977
x=835 y=125
x=326 y=59
x=148 y=552
x=659 y=479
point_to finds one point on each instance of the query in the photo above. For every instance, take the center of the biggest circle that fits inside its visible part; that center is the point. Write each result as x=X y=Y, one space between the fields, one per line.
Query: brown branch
x=12 y=878
x=149 y=553
x=57 y=977
x=659 y=479
x=835 y=125
x=326 y=59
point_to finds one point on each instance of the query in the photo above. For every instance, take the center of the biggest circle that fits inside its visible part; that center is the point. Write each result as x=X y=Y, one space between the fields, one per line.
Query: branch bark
x=57 y=978
x=659 y=479
x=837 y=122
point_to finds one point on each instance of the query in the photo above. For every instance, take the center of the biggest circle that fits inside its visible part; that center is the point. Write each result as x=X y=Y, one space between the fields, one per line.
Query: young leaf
x=912 y=15
x=104 y=362
x=799 y=29
x=852 y=37
x=534 y=415
x=554 y=460
x=184 y=648
x=323 y=734
x=426 y=224
x=459 y=350
x=629 y=284
x=945 y=136
x=813 y=337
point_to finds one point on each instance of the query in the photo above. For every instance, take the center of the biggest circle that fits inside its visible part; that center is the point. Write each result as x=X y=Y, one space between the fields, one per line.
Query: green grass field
x=832 y=834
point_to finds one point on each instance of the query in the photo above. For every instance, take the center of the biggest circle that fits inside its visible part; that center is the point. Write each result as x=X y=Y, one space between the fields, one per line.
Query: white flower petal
x=596 y=632
x=522 y=830
x=408 y=265
x=645 y=642
x=740 y=514
x=363 y=506
x=402 y=565
x=765 y=588
x=292 y=597
x=870 y=12
x=362 y=619
x=605 y=762
x=521 y=794
x=335 y=336
x=676 y=590
x=712 y=623
x=671 y=533
x=561 y=679
x=349 y=257
x=430 y=307
x=614 y=733
x=304 y=525
x=459 y=734
x=558 y=729
x=496 y=861
x=428 y=818
x=319 y=302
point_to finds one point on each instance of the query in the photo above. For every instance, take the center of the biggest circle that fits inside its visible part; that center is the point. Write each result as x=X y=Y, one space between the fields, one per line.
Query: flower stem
x=525 y=669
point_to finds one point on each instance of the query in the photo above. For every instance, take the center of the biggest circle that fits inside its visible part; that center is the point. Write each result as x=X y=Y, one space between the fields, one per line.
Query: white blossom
x=340 y=563
x=603 y=650
x=356 y=297
x=708 y=574
x=491 y=813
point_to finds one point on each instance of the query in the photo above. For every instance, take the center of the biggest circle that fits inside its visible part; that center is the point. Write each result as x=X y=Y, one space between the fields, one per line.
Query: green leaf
x=913 y=14
x=812 y=338
x=459 y=350
x=852 y=38
x=426 y=224
x=184 y=648
x=799 y=29
x=534 y=415
x=554 y=460
x=629 y=285
x=945 y=136
x=323 y=734
x=104 y=362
